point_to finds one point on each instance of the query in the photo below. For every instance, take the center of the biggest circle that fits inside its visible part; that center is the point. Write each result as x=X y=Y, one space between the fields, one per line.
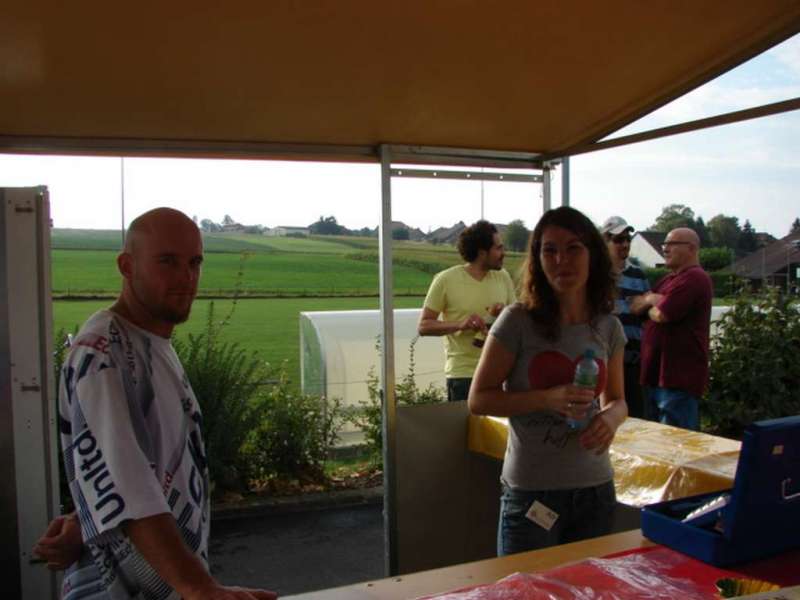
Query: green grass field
x=269 y=326
x=84 y=272
x=83 y=264
x=281 y=278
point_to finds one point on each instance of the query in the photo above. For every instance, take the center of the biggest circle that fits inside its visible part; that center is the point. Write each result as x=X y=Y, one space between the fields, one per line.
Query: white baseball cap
x=615 y=225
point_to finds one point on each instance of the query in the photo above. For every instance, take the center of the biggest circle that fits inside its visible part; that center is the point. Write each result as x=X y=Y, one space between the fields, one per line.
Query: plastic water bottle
x=586 y=374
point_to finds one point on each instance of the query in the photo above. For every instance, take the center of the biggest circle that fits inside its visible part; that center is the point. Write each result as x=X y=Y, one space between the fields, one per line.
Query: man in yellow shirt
x=464 y=300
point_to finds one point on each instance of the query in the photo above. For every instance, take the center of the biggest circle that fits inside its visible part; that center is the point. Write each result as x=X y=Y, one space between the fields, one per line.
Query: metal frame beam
x=466 y=175
x=738 y=116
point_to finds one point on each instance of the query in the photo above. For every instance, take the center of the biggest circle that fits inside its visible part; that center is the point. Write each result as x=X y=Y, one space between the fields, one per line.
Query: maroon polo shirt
x=675 y=353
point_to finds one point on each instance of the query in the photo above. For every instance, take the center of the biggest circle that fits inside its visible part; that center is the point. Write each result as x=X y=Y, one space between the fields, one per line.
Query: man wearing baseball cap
x=631 y=284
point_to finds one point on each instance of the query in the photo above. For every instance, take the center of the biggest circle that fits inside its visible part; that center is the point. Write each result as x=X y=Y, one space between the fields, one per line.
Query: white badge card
x=541 y=515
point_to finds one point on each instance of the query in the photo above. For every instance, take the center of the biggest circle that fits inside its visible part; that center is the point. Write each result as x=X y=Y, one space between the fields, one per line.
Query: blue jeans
x=672 y=407
x=458 y=388
x=582 y=513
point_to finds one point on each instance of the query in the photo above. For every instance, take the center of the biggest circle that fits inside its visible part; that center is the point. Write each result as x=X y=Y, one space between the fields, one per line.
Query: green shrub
x=369 y=416
x=714 y=259
x=726 y=284
x=755 y=371
x=294 y=433
x=225 y=379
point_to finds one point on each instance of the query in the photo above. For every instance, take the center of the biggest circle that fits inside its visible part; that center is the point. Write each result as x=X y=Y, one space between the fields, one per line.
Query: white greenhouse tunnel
x=338 y=349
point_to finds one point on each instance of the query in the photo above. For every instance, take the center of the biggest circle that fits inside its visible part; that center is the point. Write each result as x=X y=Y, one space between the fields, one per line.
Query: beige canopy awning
x=334 y=78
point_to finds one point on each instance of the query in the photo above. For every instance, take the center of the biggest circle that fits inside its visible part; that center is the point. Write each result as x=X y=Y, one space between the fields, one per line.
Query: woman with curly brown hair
x=557 y=480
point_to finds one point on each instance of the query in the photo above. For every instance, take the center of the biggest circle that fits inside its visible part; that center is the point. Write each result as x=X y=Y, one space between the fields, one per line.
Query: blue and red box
x=762 y=517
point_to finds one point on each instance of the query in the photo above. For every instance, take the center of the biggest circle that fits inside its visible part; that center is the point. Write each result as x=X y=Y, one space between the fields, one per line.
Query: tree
x=795 y=226
x=326 y=226
x=714 y=259
x=702 y=232
x=227 y=220
x=725 y=231
x=516 y=236
x=400 y=233
x=748 y=242
x=673 y=216
x=208 y=226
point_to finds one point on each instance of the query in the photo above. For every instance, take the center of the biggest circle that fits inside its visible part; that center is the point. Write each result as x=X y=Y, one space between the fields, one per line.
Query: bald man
x=675 y=338
x=130 y=432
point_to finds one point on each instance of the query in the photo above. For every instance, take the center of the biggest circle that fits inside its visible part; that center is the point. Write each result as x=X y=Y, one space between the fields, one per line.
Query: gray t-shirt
x=542 y=452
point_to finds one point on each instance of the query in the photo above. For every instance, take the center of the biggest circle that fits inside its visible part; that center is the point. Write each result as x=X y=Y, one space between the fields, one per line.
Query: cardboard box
x=762 y=517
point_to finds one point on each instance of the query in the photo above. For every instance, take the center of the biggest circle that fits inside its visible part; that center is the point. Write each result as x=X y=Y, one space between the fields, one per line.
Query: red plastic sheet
x=647 y=574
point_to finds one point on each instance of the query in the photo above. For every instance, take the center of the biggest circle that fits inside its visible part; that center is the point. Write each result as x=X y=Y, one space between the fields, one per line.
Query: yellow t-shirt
x=455 y=295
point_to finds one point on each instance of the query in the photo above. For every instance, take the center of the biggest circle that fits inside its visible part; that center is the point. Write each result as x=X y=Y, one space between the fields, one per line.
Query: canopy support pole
x=546 y=191
x=389 y=405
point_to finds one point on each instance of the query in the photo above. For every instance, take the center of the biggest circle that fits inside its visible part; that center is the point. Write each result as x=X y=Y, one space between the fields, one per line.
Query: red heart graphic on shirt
x=549 y=369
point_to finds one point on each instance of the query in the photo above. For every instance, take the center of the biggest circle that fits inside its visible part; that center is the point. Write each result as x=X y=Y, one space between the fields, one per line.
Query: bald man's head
x=681 y=249
x=160 y=265
x=161 y=221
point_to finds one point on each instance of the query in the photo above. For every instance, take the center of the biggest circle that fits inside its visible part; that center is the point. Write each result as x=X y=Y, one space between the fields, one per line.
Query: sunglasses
x=621 y=239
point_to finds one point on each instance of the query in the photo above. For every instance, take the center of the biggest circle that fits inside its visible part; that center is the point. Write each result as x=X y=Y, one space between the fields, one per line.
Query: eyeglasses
x=621 y=239
x=669 y=244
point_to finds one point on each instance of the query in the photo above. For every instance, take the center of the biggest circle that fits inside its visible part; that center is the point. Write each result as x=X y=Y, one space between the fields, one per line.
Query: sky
x=749 y=170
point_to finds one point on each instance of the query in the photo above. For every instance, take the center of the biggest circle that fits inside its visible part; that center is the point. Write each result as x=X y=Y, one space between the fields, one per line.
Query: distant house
x=233 y=228
x=646 y=248
x=284 y=230
x=447 y=235
x=777 y=263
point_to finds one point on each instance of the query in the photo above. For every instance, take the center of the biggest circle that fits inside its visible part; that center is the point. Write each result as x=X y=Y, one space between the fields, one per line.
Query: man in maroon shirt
x=675 y=338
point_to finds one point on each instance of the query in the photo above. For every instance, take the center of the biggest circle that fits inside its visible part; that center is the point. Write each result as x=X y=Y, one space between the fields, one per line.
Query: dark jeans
x=673 y=407
x=633 y=390
x=458 y=388
x=582 y=513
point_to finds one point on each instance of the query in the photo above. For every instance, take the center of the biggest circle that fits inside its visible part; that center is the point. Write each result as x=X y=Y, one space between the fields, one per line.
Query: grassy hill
x=83 y=264
x=281 y=277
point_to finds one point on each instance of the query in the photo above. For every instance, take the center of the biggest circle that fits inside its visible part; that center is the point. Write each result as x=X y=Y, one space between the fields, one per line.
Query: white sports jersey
x=132 y=448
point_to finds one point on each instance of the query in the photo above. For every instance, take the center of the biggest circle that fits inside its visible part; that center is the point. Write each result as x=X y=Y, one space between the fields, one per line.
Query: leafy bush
x=714 y=259
x=369 y=416
x=294 y=433
x=755 y=371
x=226 y=380
x=726 y=283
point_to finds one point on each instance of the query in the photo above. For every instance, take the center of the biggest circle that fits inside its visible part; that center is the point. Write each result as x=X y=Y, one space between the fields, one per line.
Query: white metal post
x=387 y=367
x=565 y=181
x=546 y=193
x=28 y=455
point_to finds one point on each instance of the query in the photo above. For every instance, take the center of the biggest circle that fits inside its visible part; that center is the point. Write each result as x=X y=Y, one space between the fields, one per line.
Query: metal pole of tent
x=122 y=197
x=389 y=407
x=565 y=181
x=546 y=199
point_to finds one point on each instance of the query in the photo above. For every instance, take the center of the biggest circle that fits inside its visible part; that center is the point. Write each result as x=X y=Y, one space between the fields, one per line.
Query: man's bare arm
x=653 y=312
x=429 y=324
x=158 y=540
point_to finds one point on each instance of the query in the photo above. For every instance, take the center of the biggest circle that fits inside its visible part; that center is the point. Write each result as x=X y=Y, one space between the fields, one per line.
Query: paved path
x=299 y=552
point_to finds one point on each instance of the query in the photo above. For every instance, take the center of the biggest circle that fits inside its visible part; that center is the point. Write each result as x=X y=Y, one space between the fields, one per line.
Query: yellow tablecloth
x=652 y=462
